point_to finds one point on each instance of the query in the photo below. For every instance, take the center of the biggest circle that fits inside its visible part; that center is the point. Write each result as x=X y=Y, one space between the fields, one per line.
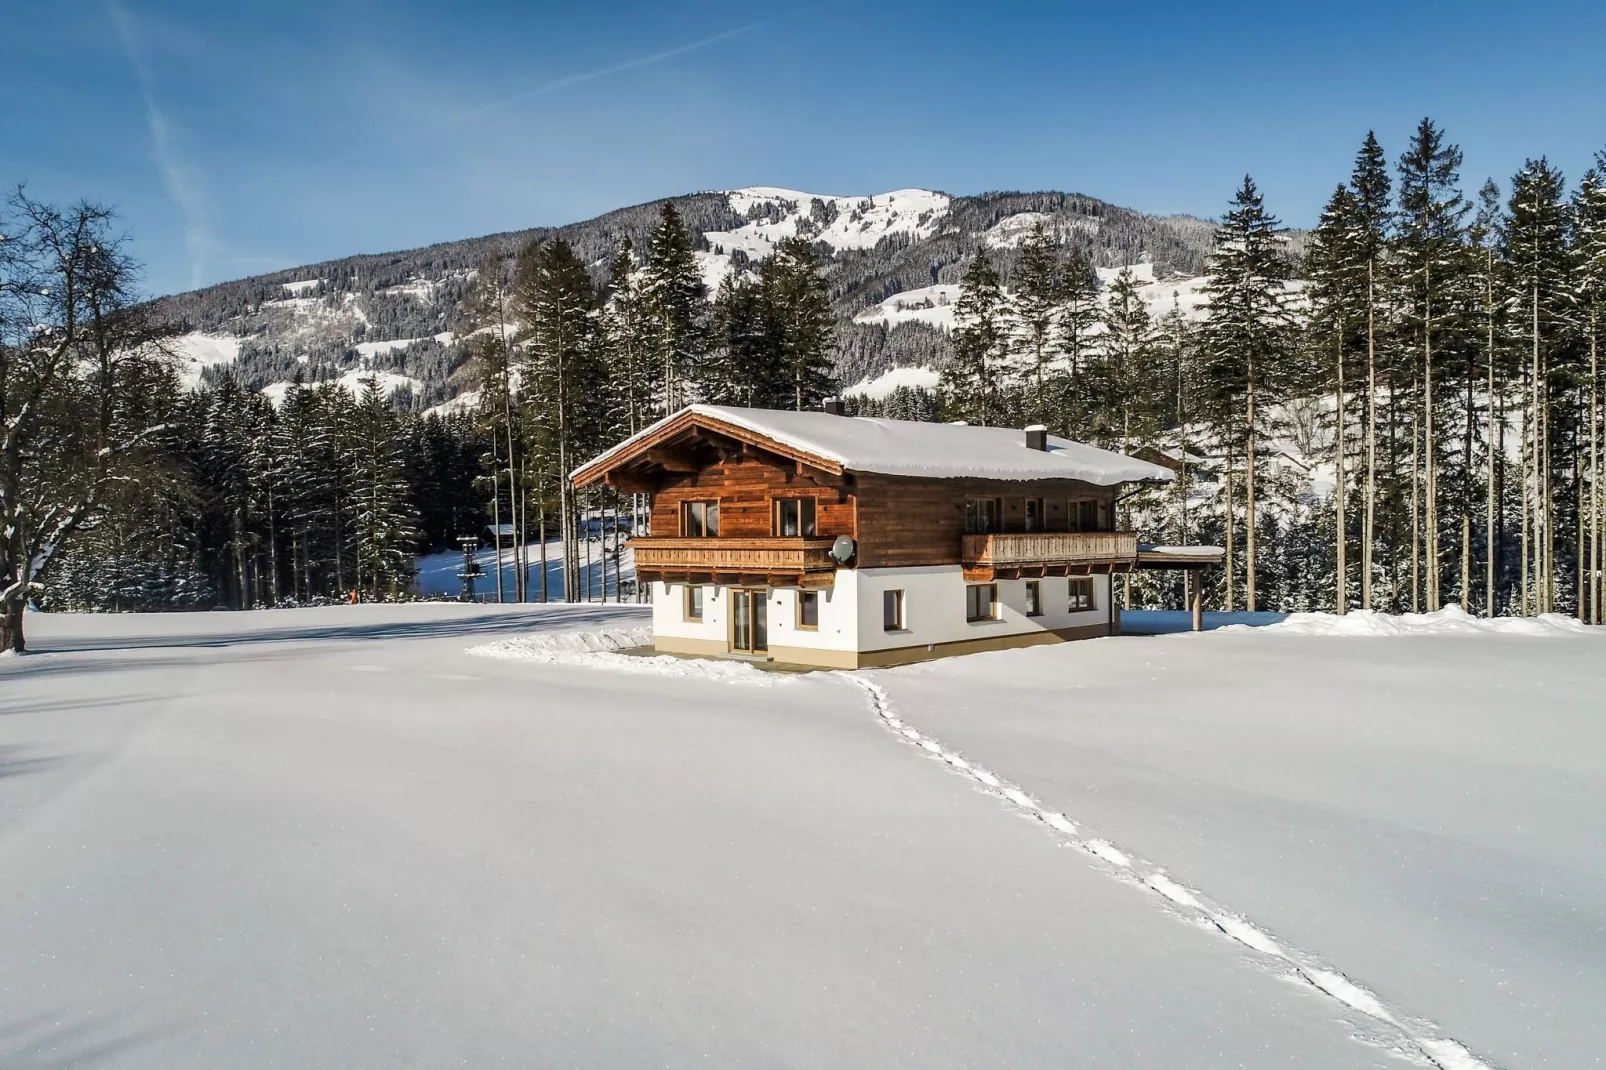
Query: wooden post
x=1196 y=598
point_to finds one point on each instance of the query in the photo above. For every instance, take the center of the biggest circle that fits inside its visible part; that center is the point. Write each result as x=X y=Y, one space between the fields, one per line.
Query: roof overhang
x=684 y=443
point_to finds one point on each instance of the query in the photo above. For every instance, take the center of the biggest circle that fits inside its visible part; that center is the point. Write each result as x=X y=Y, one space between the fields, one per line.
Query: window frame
x=994 y=524
x=992 y=603
x=1034 y=519
x=808 y=517
x=1081 y=582
x=1034 y=598
x=810 y=598
x=694 y=594
x=894 y=600
x=708 y=507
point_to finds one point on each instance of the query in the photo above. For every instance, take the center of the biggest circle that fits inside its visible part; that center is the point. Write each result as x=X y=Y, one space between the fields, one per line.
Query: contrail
x=603 y=72
x=175 y=178
x=541 y=90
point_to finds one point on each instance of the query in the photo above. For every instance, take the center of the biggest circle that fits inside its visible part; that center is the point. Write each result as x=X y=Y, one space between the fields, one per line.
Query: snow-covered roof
x=913 y=448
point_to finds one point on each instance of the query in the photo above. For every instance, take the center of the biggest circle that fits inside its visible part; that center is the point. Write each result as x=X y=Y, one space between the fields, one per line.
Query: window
x=808 y=609
x=892 y=611
x=794 y=516
x=694 y=603
x=1084 y=516
x=1034 y=598
x=981 y=515
x=1081 y=594
x=981 y=602
x=699 y=519
x=1034 y=514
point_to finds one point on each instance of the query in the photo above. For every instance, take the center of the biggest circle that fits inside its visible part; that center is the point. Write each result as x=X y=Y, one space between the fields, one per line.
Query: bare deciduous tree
x=83 y=375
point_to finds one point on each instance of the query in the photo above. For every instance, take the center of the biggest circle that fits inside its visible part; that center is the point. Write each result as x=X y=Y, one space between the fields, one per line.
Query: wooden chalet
x=814 y=538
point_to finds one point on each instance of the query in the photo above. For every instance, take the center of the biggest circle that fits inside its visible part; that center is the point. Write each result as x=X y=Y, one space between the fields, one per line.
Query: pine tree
x=1538 y=256
x=745 y=365
x=564 y=378
x=1247 y=339
x=1589 y=243
x=1336 y=265
x=1429 y=251
x=970 y=387
x=675 y=300
x=1369 y=181
x=1078 y=321
x=1125 y=382
x=799 y=302
x=625 y=325
x=1035 y=314
x=1486 y=277
x=384 y=522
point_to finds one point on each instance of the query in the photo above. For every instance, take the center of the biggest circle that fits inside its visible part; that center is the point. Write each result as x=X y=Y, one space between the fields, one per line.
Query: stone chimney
x=1037 y=437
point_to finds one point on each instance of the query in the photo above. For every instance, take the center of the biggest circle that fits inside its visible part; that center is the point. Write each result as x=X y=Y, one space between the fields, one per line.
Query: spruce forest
x=1399 y=411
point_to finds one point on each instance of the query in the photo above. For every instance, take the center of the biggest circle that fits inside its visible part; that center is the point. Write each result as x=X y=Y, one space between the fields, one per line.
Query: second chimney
x=1037 y=437
x=834 y=406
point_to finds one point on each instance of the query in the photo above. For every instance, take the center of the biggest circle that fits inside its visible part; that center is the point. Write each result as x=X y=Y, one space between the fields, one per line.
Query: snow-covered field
x=440 y=834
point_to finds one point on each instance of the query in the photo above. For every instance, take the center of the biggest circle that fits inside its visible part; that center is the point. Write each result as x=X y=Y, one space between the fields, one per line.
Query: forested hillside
x=402 y=314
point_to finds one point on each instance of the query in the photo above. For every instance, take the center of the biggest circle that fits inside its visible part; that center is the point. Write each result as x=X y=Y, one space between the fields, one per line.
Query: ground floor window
x=1081 y=594
x=892 y=611
x=808 y=609
x=694 y=603
x=1034 y=598
x=981 y=602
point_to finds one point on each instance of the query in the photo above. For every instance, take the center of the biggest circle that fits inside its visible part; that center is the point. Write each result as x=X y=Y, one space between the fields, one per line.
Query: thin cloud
x=176 y=178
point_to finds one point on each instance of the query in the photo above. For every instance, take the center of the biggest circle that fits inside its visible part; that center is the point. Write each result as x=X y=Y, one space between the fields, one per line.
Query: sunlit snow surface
x=336 y=838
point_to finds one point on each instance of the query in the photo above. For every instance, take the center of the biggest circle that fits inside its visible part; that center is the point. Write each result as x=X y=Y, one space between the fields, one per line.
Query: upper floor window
x=982 y=515
x=1034 y=514
x=699 y=519
x=1084 y=515
x=794 y=516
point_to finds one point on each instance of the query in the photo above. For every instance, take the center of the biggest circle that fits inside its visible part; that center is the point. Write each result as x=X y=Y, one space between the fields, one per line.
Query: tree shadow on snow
x=490 y=624
x=51 y=1042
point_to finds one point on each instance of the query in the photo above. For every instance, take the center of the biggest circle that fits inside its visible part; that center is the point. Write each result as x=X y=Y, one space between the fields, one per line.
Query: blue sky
x=241 y=138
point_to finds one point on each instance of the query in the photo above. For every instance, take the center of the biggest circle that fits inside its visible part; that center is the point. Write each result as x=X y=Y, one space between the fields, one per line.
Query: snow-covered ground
x=440 y=834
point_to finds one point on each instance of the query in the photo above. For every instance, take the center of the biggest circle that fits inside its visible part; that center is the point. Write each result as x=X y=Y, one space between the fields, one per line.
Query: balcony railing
x=1050 y=548
x=718 y=554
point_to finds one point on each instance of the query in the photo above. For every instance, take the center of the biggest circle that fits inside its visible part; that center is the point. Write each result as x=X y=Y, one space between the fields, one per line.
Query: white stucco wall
x=839 y=616
x=934 y=607
x=850 y=611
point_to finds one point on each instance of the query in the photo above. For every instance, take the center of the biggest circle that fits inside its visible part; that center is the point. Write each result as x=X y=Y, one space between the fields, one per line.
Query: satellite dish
x=842 y=549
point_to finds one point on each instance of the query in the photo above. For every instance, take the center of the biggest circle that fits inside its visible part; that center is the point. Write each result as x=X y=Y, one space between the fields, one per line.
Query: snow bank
x=599 y=650
x=197 y=351
x=893 y=378
x=1451 y=620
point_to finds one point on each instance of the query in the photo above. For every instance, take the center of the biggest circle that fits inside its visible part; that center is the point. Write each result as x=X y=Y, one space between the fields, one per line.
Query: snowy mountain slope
x=402 y=313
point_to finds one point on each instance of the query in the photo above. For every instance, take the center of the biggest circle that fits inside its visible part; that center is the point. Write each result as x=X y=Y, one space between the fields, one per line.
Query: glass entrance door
x=750 y=632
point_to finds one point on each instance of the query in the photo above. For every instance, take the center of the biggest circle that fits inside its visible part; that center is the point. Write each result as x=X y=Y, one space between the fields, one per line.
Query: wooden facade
x=895 y=521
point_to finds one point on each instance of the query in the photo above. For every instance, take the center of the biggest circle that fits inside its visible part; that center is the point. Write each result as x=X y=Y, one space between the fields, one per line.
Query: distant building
x=812 y=538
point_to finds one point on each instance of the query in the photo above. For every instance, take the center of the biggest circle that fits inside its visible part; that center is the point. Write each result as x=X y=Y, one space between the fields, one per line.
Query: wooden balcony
x=1048 y=553
x=769 y=561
